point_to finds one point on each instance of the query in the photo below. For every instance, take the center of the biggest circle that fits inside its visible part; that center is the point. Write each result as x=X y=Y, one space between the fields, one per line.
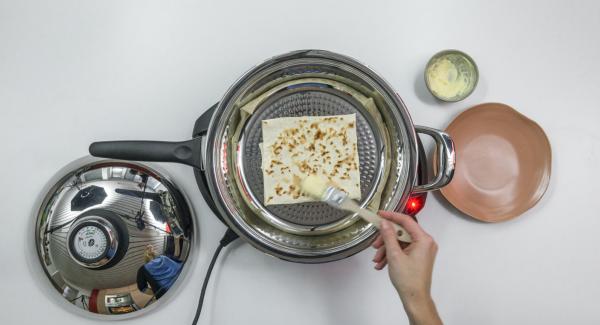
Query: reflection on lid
x=94 y=230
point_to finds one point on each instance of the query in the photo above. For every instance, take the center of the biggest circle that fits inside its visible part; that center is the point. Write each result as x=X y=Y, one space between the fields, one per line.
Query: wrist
x=417 y=301
x=419 y=307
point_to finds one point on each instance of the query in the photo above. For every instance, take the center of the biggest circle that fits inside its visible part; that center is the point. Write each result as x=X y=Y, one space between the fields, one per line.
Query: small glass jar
x=451 y=75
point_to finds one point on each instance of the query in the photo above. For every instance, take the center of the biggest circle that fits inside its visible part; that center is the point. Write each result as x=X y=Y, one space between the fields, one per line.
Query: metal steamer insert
x=309 y=218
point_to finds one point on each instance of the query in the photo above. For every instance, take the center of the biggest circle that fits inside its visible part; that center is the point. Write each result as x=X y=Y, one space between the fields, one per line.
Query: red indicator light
x=414 y=205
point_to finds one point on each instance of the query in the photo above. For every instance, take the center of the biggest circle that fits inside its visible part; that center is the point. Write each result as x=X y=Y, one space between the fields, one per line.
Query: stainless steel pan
x=301 y=83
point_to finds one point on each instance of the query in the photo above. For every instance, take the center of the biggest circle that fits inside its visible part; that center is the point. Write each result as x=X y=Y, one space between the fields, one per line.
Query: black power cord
x=229 y=236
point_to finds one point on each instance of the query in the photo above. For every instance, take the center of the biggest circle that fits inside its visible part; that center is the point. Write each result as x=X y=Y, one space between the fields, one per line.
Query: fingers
x=411 y=226
x=382 y=264
x=379 y=258
x=392 y=247
x=379 y=255
x=378 y=242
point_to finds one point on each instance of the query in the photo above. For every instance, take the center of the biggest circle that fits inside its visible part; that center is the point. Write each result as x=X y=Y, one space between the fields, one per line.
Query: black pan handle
x=185 y=152
x=203 y=122
x=200 y=130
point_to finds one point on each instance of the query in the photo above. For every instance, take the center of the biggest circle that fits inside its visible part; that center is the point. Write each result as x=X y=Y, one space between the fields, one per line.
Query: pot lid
x=113 y=237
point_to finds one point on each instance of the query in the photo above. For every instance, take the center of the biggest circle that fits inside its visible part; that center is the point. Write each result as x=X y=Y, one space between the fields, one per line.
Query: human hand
x=409 y=265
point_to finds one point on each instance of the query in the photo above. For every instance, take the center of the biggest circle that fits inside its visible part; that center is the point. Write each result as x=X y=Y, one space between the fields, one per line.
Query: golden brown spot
x=278 y=190
x=319 y=135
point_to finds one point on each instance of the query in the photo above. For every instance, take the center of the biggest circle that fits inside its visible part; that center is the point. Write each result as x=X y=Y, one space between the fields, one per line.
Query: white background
x=73 y=72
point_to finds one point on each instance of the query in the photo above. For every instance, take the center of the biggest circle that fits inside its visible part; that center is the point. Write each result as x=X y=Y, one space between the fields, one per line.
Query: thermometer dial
x=90 y=242
x=93 y=241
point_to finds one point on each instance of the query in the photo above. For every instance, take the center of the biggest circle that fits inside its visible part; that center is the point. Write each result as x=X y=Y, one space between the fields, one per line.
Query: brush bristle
x=314 y=186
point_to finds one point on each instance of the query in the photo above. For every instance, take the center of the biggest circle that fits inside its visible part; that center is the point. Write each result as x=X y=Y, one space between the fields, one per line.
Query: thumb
x=392 y=246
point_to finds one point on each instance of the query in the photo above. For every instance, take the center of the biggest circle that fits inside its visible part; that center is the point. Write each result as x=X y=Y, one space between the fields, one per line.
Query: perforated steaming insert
x=311 y=101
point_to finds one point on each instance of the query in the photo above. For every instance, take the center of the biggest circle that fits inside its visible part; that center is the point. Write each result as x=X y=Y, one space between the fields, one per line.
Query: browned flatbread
x=295 y=147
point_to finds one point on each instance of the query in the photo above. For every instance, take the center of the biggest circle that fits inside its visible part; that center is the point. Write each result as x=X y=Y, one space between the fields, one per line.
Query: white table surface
x=72 y=72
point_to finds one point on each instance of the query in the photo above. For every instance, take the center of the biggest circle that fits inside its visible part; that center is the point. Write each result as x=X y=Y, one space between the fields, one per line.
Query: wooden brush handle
x=375 y=219
x=350 y=205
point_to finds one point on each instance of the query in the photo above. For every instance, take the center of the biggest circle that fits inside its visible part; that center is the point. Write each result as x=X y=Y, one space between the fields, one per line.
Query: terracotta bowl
x=503 y=163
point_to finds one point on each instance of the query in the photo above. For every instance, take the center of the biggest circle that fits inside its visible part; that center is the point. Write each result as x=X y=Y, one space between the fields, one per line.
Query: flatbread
x=295 y=147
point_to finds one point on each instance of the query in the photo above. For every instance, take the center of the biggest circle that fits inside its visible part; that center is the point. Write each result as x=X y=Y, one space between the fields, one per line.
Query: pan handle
x=445 y=159
x=185 y=152
x=201 y=129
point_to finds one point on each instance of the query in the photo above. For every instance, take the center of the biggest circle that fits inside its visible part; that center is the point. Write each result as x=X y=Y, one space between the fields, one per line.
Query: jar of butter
x=451 y=75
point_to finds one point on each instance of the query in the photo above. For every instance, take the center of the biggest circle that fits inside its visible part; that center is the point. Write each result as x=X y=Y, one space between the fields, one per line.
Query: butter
x=314 y=186
x=451 y=77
